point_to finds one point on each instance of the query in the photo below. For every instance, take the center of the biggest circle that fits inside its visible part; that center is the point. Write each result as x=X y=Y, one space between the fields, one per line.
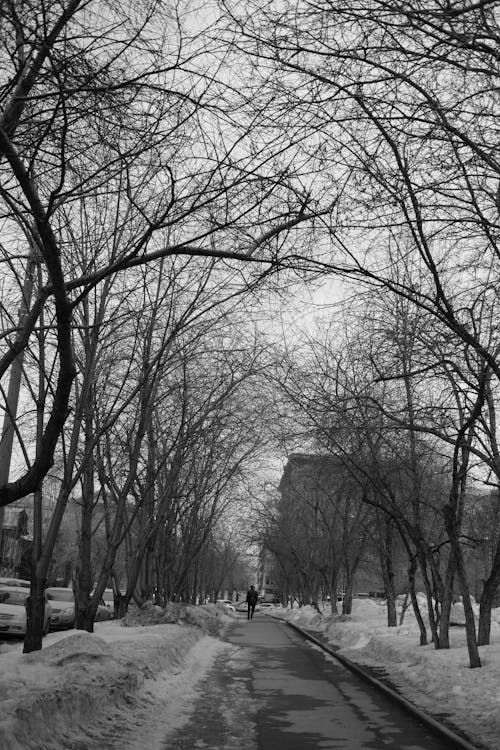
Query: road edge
x=434 y=724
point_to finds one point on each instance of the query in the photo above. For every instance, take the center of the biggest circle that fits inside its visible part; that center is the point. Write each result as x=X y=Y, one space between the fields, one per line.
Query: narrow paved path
x=274 y=691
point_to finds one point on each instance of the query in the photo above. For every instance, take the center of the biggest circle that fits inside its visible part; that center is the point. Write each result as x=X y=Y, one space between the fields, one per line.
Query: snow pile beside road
x=438 y=681
x=305 y=617
x=209 y=617
x=441 y=681
x=64 y=695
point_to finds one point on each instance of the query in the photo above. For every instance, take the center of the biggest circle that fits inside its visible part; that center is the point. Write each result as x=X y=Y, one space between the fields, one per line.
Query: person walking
x=252 y=597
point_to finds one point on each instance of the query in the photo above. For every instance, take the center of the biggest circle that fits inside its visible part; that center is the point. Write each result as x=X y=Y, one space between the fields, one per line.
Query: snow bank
x=209 y=617
x=52 y=698
x=85 y=691
x=438 y=681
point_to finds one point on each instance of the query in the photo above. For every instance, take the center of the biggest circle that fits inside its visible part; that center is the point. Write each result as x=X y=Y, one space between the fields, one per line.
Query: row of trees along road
x=398 y=102
x=318 y=531
x=139 y=200
x=389 y=405
x=355 y=141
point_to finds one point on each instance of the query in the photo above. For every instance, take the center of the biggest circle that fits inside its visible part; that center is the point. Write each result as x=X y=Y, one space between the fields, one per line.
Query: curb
x=436 y=726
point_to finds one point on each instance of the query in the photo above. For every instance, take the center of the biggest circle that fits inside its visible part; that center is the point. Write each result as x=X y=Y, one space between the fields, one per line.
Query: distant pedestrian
x=252 y=597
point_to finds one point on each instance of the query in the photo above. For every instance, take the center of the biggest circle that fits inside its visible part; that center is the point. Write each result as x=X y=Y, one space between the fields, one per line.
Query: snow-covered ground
x=438 y=681
x=129 y=687
x=125 y=687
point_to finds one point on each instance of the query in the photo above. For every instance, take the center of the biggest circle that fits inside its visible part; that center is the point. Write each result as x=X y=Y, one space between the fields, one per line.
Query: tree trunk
x=387 y=567
x=412 y=569
x=404 y=607
x=392 y=616
x=83 y=583
x=35 y=605
x=470 y=623
x=84 y=616
x=347 y=601
x=422 y=554
x=35 y=614
x=120 y=605
x=444 y=623
x=490 y=587
x=484 y=625
x=334 y=583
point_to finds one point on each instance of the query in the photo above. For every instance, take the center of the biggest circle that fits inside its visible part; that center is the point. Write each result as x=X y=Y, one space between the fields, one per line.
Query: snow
x=438 y=681
x=129 y=687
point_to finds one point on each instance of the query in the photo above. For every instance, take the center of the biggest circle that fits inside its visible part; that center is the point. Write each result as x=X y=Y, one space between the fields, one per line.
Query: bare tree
x=377 y=86
x=119 y=147
x=98 y=104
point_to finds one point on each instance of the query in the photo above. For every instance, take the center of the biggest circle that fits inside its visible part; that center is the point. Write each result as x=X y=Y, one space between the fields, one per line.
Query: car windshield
x=61 y=595
x=12 y=597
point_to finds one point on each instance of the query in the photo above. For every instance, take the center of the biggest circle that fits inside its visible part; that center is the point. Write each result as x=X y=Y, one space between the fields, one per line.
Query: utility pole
x=13 y=390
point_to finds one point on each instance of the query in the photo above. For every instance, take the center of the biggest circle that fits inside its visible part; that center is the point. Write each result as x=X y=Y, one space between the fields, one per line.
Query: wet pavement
x=275 y=691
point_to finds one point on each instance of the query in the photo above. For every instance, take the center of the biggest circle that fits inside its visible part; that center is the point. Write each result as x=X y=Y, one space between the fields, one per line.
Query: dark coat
x=252 y=597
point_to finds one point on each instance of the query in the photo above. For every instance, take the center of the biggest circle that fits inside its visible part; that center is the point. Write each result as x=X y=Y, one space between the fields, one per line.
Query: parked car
x=22 y=582
x=106 y=608
x=62 y=607
x=109 y=599
x=243 y=607
x=103 y=612
x=227 y=603
x=13 y=611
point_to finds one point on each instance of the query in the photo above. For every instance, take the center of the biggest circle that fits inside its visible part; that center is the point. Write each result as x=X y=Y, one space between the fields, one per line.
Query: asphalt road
x=277 y=692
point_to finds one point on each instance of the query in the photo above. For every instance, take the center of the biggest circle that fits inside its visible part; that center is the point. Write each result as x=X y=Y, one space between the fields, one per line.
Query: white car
x=242 y=606
x=108 y=598
x=62 y=607
x=22 y=582
x=13 y=611
x=227 y=604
